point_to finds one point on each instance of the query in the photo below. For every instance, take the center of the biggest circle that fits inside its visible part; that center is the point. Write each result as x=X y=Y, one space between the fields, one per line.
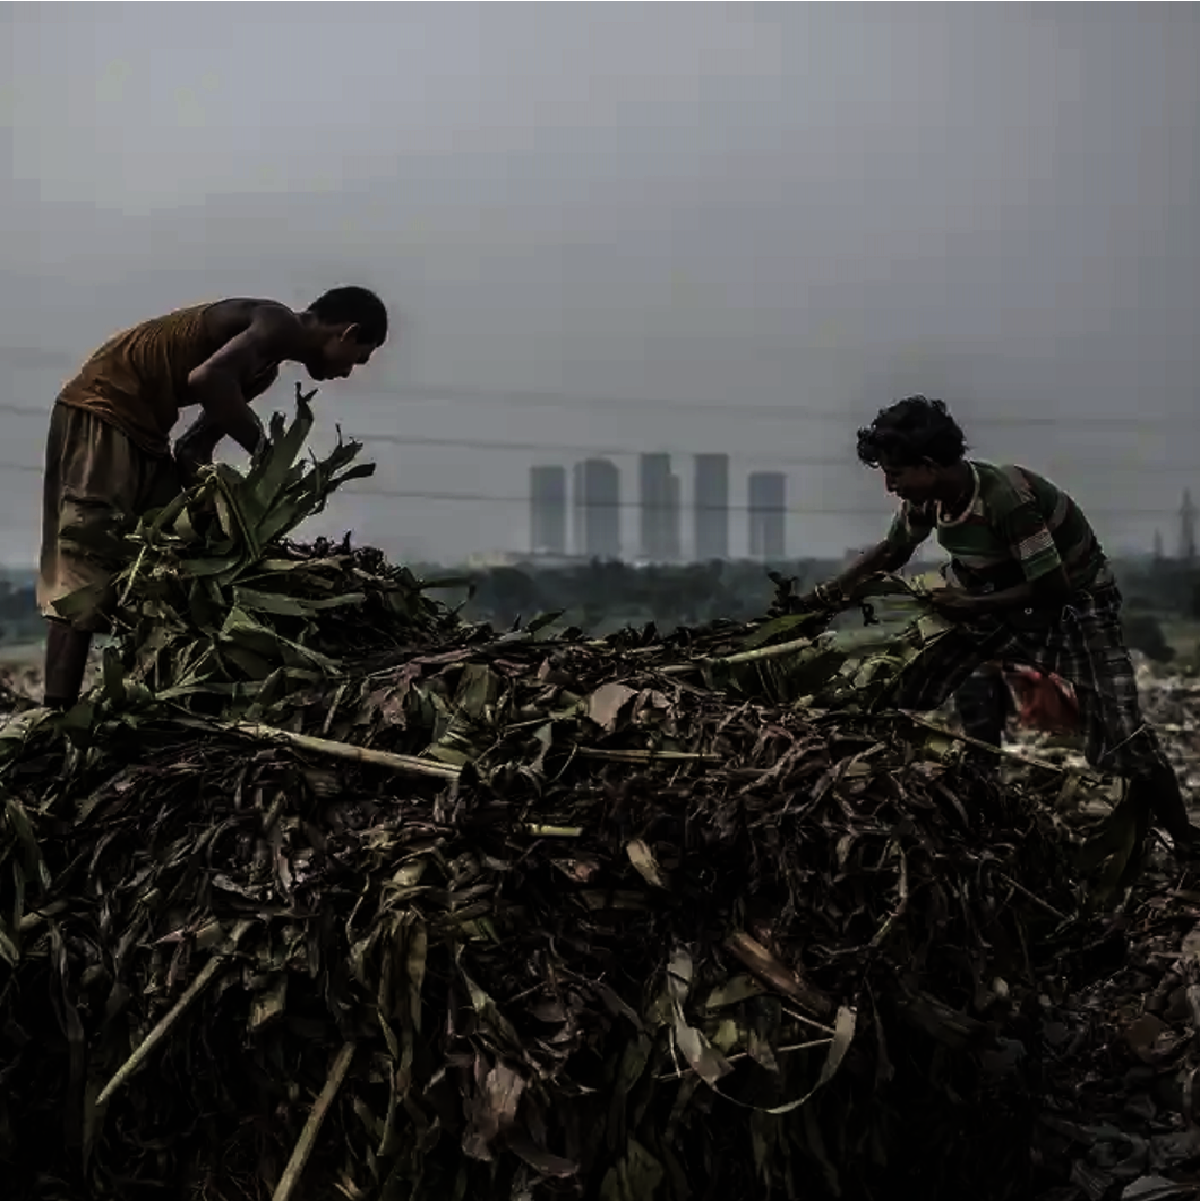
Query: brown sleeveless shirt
x=138 y=380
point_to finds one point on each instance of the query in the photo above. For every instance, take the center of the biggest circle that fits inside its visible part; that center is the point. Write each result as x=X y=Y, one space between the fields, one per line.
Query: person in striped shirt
x=1028 y=583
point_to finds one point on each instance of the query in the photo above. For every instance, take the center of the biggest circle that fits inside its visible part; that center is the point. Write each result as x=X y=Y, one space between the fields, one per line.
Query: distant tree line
x=1161 y=585
x=601 y=596
x=1153 y=590
x=19 y=618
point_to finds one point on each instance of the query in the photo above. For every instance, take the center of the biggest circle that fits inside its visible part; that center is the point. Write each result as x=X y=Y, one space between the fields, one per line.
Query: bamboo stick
x=636 y=756
x=766 y=967
x=308 y=1136
x=408 y=764
x=1000 y=752
x=755 y=656
x=156 y=1036
x=412 y=765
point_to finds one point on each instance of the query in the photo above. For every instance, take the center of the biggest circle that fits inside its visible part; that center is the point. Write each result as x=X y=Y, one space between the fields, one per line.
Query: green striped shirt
x=1016 y=528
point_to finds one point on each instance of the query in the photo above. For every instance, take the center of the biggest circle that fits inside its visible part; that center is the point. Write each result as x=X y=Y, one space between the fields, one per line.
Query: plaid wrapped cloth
x=1082 y=643
x=984 y=704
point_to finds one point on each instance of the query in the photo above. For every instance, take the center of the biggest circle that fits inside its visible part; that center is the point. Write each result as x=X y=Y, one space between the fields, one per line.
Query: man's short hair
x=911 y=432
x=354 y=306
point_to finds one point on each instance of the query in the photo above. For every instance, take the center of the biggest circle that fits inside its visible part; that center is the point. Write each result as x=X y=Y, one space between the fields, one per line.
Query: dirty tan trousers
x=95 y=481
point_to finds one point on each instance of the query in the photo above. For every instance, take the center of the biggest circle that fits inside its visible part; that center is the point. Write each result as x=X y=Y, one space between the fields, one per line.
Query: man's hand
x=953 y=602
x=188 y=467
x=787 y=603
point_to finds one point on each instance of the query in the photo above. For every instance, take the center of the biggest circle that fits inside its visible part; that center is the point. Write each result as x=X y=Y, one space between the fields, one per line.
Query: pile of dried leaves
x=1120 y=1042
x=340 y=886
x=1121 y=1083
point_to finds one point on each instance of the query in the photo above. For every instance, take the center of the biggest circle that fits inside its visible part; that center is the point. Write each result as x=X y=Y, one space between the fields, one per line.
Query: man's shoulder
x=1006 y=486
x=242 y=311
x=226 y=319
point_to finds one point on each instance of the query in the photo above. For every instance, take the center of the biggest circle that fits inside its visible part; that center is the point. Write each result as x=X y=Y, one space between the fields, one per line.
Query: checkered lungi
x=1082 y=643
x=984 y=703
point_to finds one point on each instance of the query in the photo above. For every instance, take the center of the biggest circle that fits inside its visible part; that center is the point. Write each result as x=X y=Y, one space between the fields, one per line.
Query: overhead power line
x=1124 y=463
x=788 y=411
x=808 y=510
x=1116 y=464
x=494 y=498
x=539 y=398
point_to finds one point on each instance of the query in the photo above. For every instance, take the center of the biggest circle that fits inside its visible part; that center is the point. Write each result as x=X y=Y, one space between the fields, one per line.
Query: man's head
x=917 y=445
x=350 y=325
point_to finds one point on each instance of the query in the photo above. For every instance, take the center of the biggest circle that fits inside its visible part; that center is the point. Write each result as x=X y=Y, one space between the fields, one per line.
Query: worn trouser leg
x=95 y=479
x=983 y=704
x=66 y=664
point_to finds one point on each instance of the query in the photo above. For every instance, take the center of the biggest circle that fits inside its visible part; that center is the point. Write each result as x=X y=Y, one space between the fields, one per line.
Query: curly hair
x=358 y=306
x=912 y=431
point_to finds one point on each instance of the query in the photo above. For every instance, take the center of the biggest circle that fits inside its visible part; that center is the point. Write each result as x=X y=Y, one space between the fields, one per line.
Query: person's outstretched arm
x=198 y=443
x=220 y=384
x=909 y=529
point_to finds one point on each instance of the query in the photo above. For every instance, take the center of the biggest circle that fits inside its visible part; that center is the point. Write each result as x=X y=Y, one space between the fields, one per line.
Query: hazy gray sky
x=738 y=206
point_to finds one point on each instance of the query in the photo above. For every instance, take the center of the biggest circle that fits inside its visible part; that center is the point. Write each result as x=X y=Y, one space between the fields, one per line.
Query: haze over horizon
x=639 y=227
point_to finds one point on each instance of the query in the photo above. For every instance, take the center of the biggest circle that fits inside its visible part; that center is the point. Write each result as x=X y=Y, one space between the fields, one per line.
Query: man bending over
x=108 y=454
x=1031 y=585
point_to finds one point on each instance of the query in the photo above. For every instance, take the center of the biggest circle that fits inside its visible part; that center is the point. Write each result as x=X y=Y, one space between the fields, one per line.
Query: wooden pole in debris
x=160 y=1031
x=409 y=764
x=308 y=1136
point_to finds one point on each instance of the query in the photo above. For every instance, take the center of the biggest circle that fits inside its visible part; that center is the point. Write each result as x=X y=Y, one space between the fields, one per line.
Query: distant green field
x=1185 y=639
x=21 y=654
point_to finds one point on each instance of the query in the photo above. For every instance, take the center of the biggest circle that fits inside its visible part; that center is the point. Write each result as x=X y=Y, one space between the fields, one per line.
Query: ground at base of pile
x=1119 y=1113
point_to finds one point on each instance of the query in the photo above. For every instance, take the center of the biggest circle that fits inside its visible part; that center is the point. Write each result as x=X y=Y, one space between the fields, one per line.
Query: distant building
x=654 y=506
x=578 y=530
x=596 y=509
x=711 y=507
x=1188 y=528
x=765 y=494
x=672 y=548
x=548 y=510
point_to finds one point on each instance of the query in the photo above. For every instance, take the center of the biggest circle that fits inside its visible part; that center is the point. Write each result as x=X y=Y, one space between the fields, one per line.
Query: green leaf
x=793 y=625
x=215 y=566
x=542 y=620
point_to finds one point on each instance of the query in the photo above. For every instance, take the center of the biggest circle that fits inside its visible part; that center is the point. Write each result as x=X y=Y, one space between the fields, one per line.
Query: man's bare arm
x=260 y=383
x=1050 y=590
x=220 y=384
x=196 y=446
x=884 y=556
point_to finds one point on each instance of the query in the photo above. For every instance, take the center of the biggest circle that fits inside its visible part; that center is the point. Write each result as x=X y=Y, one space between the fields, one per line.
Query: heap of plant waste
x=322 y=892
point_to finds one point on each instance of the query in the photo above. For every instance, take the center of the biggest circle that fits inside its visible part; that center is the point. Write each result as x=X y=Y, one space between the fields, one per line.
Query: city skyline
x=594 y=499
x=660 y=513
